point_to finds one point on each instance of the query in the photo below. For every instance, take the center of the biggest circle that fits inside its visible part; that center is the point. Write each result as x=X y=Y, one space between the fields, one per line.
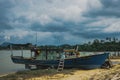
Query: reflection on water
x=6 y=64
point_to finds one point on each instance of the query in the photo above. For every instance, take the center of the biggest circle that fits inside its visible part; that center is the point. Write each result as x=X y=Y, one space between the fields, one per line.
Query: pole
x=11 y=50
x=31 y=54
x=46 y=52
x=36 y=39
x=22 y=51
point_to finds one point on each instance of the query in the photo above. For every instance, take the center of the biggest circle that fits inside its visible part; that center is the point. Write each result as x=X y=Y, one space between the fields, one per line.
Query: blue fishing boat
x=82 y=62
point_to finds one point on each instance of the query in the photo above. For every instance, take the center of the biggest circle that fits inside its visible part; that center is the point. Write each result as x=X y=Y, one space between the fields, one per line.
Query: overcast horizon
x=58 y=21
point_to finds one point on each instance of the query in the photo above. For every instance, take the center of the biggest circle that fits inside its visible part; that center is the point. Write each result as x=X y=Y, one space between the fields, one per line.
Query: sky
x=58 y=21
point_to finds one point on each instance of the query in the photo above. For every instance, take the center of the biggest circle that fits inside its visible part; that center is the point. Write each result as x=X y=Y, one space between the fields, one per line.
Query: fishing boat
x=71 y=60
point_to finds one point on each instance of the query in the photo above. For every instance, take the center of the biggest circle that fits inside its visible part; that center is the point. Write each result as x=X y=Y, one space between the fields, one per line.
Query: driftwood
x=116 y=77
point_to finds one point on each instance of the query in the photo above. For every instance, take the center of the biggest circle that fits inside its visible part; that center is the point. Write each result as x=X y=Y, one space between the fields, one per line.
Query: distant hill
x=5 y=44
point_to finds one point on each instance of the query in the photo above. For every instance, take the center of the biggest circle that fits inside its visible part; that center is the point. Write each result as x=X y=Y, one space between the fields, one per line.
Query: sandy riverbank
x=115 y=60
x=2 y=75
x=66 y=74
x=96 y=74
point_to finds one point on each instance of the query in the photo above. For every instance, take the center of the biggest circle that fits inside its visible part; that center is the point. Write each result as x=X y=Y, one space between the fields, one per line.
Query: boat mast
x=46 y=51
x=11 y=50
x=36 y=40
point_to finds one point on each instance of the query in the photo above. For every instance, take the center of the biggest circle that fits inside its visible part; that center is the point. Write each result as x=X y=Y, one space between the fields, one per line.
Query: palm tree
x=109 y=39
x=102 y=41
x=114 y=39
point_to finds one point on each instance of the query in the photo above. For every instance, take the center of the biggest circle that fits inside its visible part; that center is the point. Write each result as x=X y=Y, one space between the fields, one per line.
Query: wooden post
x=118 y=53
x=42 y=53
x=22 y=51
x=46 y=52
x=31 y=54
x=11 y=50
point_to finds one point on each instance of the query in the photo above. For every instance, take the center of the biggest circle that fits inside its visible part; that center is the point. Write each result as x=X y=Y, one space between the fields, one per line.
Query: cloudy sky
x=58 y=21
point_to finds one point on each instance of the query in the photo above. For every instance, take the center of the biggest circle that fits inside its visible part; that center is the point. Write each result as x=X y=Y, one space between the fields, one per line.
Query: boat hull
x=86 y=62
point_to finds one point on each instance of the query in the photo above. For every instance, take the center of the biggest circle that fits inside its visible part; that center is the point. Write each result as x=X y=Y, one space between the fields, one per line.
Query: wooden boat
x=85 y=62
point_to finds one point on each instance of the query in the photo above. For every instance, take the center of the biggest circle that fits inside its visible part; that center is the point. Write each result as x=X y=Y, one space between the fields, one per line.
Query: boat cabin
x=54 y=54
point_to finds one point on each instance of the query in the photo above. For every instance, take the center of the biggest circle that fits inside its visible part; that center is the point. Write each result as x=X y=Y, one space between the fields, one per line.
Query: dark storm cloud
x=52 y=27
x=4 y=7
x=59 y=19
x=5 y=26
x=21 y=19
x=110 y=8
x=95 y=34
x=4 y=12
x=111 y=3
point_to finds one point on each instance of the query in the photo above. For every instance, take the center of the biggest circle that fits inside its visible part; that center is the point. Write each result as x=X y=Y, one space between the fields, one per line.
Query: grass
x=52 y=74
x=23 y=75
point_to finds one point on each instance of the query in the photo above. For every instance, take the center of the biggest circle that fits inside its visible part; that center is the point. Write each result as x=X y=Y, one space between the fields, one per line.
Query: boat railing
x=21 y=53
x=52 y=54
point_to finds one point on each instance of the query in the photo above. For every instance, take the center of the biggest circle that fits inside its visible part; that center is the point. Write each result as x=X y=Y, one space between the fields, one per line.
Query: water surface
x=6 y=64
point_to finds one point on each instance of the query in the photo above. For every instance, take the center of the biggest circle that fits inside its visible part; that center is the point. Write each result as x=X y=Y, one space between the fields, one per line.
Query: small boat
x=83 y=62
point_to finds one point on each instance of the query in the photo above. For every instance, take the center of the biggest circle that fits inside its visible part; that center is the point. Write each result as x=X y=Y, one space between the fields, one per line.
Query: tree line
x=108 y=44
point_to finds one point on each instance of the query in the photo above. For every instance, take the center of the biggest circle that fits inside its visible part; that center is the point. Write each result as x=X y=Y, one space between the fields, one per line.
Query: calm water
x=7 y=66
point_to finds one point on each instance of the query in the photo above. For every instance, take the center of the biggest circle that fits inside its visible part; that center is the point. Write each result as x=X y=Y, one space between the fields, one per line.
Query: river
x=6 y=64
